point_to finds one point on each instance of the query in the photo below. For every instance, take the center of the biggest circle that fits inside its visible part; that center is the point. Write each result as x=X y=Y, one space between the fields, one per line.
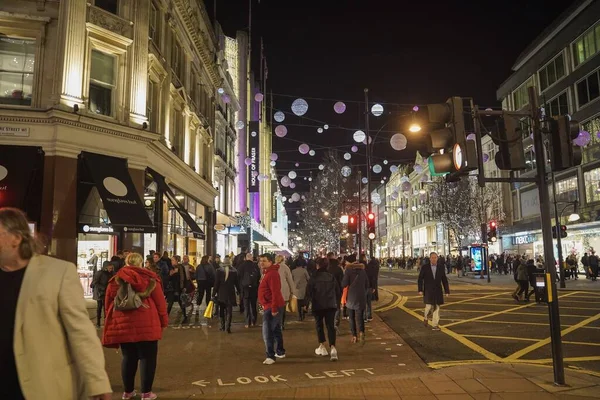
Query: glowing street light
x=414 y=127
x=344 y=219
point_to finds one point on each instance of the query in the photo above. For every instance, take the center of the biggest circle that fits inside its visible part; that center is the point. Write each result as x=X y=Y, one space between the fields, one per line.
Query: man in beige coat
x=49 y=348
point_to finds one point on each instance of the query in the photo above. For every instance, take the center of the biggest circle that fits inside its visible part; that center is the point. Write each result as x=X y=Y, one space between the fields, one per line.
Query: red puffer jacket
x=140 y=325
x=269 y=290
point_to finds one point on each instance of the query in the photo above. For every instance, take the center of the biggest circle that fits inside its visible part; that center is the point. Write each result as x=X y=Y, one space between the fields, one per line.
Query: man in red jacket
x=269 y=295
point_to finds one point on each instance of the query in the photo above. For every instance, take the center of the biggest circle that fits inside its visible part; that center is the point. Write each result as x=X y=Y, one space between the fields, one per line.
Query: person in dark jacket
x=174 y=288
x=432 y=277
x=205 y=278
x=531 y=271
x=99 y=285
x=249 y=276
x=226 y=286
x=163 y=267
x=338 y=273
x=593 y=259
x=323 y=292
x=372 y=271
x=357 y=282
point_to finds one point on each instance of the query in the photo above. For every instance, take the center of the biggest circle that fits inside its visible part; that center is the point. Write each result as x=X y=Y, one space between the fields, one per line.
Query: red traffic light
x=371 y=216
x=493 y=224
x=351 y=220
x=563 y=228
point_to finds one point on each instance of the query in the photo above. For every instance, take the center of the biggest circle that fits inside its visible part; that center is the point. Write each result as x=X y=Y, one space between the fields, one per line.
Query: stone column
x=139 y=63
x=58 y=224
x=72 y=18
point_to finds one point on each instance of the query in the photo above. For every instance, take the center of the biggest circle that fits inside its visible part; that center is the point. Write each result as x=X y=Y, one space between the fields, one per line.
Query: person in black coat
x=99 y=284
x=174 y=287
x=431 y=278
x=226 y=285
x=323 y=292
x=338 y=273
x=249 y=276
x=372 y=270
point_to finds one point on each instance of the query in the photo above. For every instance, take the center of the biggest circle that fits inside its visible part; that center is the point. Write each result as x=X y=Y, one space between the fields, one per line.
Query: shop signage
x=10 y=131
x=523 y=239
x=530 y=203
x=97 y=229
x=253 y=154
x=220 y=227
x=274 y=202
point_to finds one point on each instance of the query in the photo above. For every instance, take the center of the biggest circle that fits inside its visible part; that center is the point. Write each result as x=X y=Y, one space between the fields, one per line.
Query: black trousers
x=225 y=315
x=329 y=317
x=171 y=298
x=145 y=353
x=524 y=287
x=99 y=309
x=203 y=288
x=301 y=312
x=250 y=299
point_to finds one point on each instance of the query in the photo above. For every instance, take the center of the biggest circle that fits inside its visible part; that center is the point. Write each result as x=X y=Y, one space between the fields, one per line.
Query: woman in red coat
x=136 y=331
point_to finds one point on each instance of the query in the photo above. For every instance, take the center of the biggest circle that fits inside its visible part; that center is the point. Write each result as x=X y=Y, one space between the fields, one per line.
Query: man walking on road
x=269 y=295
x=431 y=279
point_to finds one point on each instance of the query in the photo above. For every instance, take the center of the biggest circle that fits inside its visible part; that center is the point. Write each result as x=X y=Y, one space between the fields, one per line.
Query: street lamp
x=414 y=128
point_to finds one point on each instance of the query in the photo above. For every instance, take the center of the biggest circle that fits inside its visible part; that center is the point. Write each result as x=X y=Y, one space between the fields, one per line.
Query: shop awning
x=119 y=196
x=168 y=192
x=18 y=165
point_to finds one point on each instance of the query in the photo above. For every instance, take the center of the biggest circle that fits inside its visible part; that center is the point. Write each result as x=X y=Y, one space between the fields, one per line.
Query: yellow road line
x=546 y=341
x=473 y=346
x=444 y=364
x=517 y=313
x=394 y=304
x=478 y=298
x=581 y=343
x=514 y=323
x=501 y=338
x=498 y=312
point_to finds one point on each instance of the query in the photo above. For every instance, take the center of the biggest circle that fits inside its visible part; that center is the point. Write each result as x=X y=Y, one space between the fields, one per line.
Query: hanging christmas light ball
x=312 y=153
x=253 y=133
x=377 y=110
x=258 y=97
x=339 y=107
x=583 y=139
x=296 y=197
x=325 y=126
x=321 y=167
x=347 y=156
x=292 y=174
x=285 y=181
x=346 y=171
x=292 y=185
x=359 y=136
x=418 y=168
x=370 y=140
x=297 y=165
x=416 y=108
x=226 y=99
x=364 y=181
x=239 y=125
x=280 y=130
x=221 y=90
x=385 y=162
x=398 y=142
x=393 y=168
x=274 y=157
x=303 y=148
x=279 y=116
x=354 y=149
x=299 y=107
x=248 y=161
x=272 y=163
x=309 y=179
x=377 y=168
x=376 y=198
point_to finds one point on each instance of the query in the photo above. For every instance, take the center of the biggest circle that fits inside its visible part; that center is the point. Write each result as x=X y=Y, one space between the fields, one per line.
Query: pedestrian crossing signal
x=352 y=224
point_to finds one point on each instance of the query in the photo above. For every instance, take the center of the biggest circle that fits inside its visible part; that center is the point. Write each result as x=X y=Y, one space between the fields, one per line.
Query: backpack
x=128 y=299
x=250 y=278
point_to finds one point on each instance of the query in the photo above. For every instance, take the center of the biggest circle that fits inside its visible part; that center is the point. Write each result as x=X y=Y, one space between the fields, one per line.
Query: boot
x=228 y=320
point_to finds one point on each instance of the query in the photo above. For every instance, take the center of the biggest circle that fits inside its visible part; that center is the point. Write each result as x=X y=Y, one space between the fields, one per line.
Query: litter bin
x=541 y=294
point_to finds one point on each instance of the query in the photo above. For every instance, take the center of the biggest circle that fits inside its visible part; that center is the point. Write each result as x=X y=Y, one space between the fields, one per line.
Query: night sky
x=406 y=52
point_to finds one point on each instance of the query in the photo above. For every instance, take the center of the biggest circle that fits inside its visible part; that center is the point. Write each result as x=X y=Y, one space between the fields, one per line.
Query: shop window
x=102 y=83
x=177 y=59
x=592 y=151
x=552 y=72
x=587 y=45
x=176 y=131
x=588 y=89
x=592 y=185
x=567 y=189
x=558 y=106
x=112 y=6
x=521 y=94
x=17 y=61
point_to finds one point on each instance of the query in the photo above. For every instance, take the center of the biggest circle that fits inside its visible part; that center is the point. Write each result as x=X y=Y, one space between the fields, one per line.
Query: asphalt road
x=481 y=322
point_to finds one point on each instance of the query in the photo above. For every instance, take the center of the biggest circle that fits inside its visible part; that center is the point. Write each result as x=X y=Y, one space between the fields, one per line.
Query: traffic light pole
x=553 y=310
x=561 y=270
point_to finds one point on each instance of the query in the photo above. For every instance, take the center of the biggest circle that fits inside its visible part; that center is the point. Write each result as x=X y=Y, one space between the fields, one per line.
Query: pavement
x=196 y=361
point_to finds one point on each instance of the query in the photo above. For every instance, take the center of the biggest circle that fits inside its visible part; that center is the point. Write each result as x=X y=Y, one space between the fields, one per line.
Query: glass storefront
x=92 y=251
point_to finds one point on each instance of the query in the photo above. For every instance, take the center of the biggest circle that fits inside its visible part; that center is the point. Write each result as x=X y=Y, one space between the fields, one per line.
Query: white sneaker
x=334 y=356
x=321 y=351
x=269 y=361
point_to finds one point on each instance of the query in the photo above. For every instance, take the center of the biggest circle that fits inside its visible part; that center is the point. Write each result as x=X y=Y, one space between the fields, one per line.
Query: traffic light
x=453 y=151
x=509 y=139
x=563 y=154
x=371 y=225
x=562 y=229
x=492 y=232
x=352 y=224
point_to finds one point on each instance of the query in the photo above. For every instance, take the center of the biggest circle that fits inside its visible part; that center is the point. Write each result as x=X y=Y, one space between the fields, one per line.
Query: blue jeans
x=272 y=335
x=368 y=310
